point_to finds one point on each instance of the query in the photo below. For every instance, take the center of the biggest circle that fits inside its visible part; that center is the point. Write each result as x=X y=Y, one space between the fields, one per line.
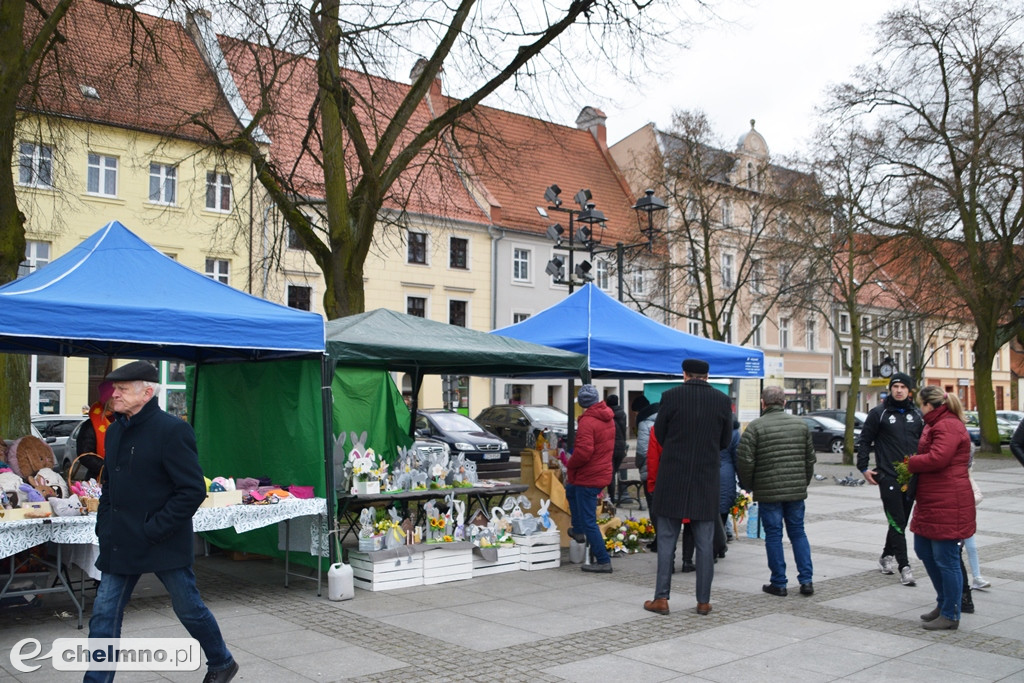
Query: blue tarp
x=115 y=295
x=620 y=342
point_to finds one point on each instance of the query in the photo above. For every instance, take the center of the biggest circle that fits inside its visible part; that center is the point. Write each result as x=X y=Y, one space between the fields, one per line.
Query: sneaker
x=979 y=583
x=887 y=564
x=906 y=577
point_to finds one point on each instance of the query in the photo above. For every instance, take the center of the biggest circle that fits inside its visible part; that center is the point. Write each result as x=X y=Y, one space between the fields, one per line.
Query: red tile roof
x=148 y=75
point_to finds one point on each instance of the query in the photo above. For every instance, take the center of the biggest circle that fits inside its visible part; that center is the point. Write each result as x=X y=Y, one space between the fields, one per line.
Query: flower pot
x=364 y=488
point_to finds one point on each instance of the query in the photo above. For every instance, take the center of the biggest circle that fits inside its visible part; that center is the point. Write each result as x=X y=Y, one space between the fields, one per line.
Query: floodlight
x=582 y=197
x=551 y=195
x=555 y=268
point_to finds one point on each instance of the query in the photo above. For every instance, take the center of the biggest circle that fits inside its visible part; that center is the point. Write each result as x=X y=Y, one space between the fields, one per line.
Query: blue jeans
x=583 y=508
x=773 y=515
x=941 y=559
x=115 y=591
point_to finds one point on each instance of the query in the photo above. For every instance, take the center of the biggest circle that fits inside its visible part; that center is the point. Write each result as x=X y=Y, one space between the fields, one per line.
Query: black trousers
x=897 y=506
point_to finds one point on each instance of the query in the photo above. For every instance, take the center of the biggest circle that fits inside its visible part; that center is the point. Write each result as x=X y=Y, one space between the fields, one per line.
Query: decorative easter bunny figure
x=396 y=535
x=516 y=504
x=367 y=521
x=342 y=470
x=545 y=515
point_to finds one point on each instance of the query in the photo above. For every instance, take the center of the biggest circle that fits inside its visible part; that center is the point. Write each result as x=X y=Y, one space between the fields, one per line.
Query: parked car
x=840 y=416
x=1012 y=416
x=461 y=434
x=55 y=430
x=518 y=424
x=1006 y=429
x=828 y=434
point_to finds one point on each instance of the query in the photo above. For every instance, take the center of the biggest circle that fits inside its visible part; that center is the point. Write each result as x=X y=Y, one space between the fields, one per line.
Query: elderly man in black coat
x=694 y=424
x=152 y=485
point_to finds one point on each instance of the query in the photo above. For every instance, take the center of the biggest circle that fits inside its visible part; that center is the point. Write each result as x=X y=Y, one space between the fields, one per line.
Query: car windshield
x=454 y=422
x=829 y=423
x=545 y=414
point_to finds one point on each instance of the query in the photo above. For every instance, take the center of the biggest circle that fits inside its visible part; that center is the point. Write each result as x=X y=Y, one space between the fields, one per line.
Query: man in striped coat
x=694 y=424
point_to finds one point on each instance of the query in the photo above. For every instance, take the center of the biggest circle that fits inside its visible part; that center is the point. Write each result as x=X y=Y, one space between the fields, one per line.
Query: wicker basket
x=91 y=504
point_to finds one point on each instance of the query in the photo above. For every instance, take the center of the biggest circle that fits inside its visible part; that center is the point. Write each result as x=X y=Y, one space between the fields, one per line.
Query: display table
x=78 y=536
x=480 y=498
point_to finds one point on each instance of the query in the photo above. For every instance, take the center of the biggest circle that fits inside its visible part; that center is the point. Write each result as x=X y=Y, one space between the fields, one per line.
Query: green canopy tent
x=391 y=341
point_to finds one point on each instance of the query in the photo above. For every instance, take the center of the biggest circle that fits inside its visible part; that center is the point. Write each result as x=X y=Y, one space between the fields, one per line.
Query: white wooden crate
x=541 y=538
x=441 y=565
x=534 y=557
x=508 y=561
x=375 y=572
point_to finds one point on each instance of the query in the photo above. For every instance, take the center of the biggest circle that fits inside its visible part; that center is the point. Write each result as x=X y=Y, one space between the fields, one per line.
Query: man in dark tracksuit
x=893 y=429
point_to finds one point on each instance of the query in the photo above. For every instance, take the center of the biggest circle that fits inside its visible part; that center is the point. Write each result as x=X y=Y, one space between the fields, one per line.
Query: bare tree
x=370 y=144
x=946 y=101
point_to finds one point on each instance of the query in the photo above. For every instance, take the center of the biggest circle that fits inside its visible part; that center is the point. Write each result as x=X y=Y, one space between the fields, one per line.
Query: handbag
x=978 y=497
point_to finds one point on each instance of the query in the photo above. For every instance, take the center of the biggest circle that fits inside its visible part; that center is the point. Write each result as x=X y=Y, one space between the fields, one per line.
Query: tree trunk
x=984 y=354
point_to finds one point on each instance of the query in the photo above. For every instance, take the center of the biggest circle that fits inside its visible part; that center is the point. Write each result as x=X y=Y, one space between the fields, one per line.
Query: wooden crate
x=507 y=561
x=441 y=565
x=534 y=557
x=540 y=538
x=375 y=572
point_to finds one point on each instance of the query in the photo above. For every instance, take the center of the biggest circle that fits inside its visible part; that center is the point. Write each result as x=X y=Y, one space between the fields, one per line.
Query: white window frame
x=757 y=276
x=601 y=278
x=451 y=242
x=287 y=295
x=101 y=175
x=220 y=183
x=638 y=280
x=784 y=329
x=520 y=316
x=726 y=208
x=36 y=386
x=218 y=270
x=35 y=165
x=37 y=255
x=693 y=323
x=865 y=362
x=756 y=320
x=465 y=302
x=166 y=178
x=728 y=264
x=522 y=265
x=810 y=334
x=426 y=304
x=897 y=329
x=844 y=323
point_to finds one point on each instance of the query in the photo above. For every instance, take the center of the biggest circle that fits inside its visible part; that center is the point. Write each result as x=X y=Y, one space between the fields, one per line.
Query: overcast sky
x=772 y=65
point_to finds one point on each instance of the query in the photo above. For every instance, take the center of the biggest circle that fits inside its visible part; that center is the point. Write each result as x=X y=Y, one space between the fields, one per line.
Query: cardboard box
x=386 y=569
x=220 y=499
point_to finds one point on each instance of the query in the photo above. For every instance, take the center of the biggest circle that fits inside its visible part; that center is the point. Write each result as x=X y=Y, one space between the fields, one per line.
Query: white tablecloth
x=27 y=533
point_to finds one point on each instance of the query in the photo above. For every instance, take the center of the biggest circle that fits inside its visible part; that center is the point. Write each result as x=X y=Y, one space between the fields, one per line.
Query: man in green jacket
x=775 y=461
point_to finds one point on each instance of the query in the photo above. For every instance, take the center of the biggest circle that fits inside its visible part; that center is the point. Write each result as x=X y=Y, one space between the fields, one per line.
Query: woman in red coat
x=589 y=470
x=944 y=511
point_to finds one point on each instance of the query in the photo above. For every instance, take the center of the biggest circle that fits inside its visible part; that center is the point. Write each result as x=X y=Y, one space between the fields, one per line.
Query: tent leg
x=327 y=367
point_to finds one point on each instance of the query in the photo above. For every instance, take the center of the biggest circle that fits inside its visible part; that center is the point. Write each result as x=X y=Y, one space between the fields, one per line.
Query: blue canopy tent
x=622 y=343
x=116 y=296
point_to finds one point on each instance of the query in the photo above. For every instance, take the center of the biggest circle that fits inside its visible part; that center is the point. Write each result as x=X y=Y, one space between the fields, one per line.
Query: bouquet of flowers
x=903 y=473
x=739 y=508
x=629 y=536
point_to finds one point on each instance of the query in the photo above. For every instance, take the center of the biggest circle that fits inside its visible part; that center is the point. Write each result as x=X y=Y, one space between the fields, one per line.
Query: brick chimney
x=592 y=119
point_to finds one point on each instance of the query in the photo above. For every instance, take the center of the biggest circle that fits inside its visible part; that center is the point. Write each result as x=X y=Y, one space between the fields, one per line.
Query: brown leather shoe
x=703 y=608
x=658 y=606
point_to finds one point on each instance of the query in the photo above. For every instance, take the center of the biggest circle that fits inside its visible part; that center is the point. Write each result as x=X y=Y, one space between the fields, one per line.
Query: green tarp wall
x=368 y=400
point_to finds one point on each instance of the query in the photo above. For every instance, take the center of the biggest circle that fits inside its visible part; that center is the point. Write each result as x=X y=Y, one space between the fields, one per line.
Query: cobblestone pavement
x=565 y=625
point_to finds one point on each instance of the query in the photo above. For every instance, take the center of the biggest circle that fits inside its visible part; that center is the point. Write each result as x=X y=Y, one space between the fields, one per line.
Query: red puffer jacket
x=591 y=461
x=944 y=506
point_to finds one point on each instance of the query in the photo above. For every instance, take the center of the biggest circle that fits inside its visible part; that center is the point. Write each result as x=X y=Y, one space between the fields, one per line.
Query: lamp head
x=555 y=233
x=582 y=197
x=590 y=215
x=556 y=268
x=582 y=271
x=551 y=195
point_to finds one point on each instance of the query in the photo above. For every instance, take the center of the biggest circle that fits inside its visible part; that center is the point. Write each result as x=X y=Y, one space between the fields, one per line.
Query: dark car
x=462 y=435
x=840 y=416
x=828 y=434
x=519 y=424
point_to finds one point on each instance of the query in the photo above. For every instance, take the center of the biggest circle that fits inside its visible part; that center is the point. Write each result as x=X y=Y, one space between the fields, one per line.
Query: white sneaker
x=906 y=577
x=887 y=564
x=979 y=583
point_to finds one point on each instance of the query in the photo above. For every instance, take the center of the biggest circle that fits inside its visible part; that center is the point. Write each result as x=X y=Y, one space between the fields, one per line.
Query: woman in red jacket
x=589 y=470
x=944 y=511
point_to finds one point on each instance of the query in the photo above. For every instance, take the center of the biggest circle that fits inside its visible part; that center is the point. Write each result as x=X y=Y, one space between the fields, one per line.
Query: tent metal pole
x=327 y=367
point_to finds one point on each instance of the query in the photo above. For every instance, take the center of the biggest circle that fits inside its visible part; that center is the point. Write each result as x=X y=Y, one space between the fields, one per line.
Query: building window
x=865 y=363
x=932 y=353
x=783 y=333
x=693 y=324
x=601 y=273
x=35 y=165
x=844 y=360
x=416 y=251
x=521 y=265
x=727 y=213
x=163 y=184
x=46 y=384
x=218 y=191
x=37 y=255
x=696 y=266
x=961 y=356
x=897 y=329
x=897 y=358
x=457 y=312
x=948 y=355
x=811 y=334
x=727 y=274
x=844 y=322
x=458 y=253
x=865 y=324
x=638 y=281
x=294 y=241
x=755 y=326
x=219 y=270
x=998 y=361
x=300 y=297
x=692 y=207
x=757 y=276
x=519 y=317
x=101 y=178
x=416 y=305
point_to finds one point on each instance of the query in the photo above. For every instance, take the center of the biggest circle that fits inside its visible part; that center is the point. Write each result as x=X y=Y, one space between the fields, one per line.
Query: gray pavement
x=564 y=625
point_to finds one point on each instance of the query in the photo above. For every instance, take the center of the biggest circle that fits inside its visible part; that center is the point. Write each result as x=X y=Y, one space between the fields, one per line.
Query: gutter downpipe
x=491 y=229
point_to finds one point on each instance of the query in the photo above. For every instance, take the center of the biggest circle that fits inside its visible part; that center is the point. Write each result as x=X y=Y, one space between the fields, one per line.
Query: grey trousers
x=667 y=531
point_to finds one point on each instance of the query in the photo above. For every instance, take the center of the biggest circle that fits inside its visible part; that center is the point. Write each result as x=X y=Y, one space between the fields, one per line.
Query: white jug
x=339 y=582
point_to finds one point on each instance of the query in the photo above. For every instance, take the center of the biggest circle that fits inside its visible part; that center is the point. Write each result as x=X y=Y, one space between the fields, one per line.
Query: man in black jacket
x=619 y=453
x=893 y=429
x=1017 y=443
x=152 y=485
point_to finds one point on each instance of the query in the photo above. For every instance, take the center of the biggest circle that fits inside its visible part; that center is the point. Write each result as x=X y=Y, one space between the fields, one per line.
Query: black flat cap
x=136 y=370
x=696 y=366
